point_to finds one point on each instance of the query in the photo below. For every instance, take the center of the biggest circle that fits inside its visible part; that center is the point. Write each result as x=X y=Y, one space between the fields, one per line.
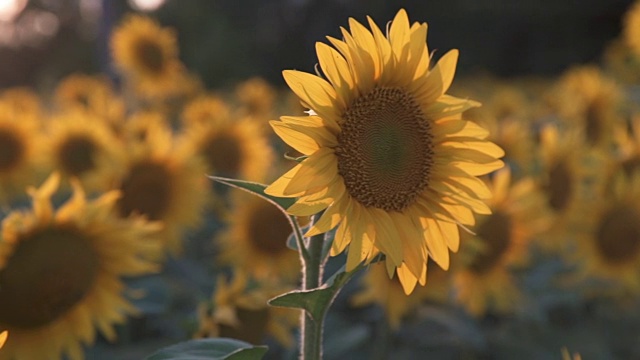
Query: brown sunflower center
x=495 y=233
x=559 y=186
x=76 y=155
x=385 y=149
x=618 y=235
x=51 y=270
x=147 y=190
x=150 y=55
x=223 y=154
x=252 y=326
x=11 y=150
x=268 y=229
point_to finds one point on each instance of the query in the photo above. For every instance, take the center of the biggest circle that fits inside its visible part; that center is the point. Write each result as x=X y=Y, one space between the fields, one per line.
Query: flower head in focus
x=389 y=157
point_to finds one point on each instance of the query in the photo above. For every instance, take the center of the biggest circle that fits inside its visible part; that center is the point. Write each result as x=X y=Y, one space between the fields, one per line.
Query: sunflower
x=631 y=30
x=586 y=98
x=256 y=241
x=139 y=125
x=163 y=185
x=621 y=62
x=628 y=148
x=572 y=174
x=148 y=55
x=507 y=117
x=609 y=237
x=520 y=213
x=52 y=298
x=236 y=149
x=22 y=100
x=239 y=310
x=80 y=145
x=256 y=97
x=389 y=294
x=205 y=109
x=19 y=143
x=389 y=157
x=93 y=94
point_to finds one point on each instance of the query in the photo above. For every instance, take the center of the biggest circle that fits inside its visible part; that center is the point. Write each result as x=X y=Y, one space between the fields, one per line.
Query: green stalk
x=311 y=336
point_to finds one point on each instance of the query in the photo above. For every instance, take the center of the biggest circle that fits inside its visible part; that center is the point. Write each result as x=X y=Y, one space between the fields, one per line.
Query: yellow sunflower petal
x=407 y=279
x=317 y=170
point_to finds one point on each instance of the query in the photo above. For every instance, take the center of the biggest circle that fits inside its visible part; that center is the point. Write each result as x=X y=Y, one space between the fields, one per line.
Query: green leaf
x=210 y=349
x=256 y=189
x=316 y=301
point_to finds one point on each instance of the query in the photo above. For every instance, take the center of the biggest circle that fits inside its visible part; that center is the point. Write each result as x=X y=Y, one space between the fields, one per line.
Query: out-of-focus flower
x=163 y=185
x=520 y=213
x=204 y=110
x=609 y=235
x=148 y=55
x=60 y=272
x=256 y=98
x=236 y=149
x=587 y=100
x=23 y=101
x=571 y=174
x=78 y=144
x=93 y=94
x=389 y=157
x=239 y=310
x=388 y=292
x=19 y=143
x=631 y=30
x=256 y=241
x=621 y=62
x=506 y=114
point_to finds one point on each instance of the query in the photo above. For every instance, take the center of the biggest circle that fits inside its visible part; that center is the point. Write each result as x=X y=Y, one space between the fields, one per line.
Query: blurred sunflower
x=389 y=157
x=163 y=185
x=519 y=214
x=621 y=62
x=587 y=99
x=256 y=241
x=60 y=272
x=80 y=145
x=240 y=311
x=94 y=94
x=609 y=237
x=204 y=110
x=148 y=55
x=22 y=100
x=236 y=149
x=19 y=145
x=506 y=116
x=388 y=293
x=631 y=28
x=628 y=148
x=572 y=174
x=140 y=124
x=256 y=97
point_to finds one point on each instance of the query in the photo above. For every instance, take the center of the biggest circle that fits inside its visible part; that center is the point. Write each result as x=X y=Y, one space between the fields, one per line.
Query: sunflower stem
x=311 y=336
x=297 y=232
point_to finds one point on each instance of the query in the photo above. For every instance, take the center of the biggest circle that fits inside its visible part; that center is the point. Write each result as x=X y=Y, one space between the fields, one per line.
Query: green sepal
x=210 y=349
x=256 y=189
x=298 y=159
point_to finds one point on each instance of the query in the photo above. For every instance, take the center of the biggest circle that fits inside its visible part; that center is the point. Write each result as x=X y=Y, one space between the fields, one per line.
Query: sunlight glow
x=9 y=9
x=146 y=5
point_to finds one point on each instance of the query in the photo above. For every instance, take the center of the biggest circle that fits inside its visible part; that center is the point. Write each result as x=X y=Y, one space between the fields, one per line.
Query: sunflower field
x=159 y=201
